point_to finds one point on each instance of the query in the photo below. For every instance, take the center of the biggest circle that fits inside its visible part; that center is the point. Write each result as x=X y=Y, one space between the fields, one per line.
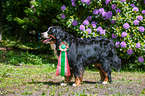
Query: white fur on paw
x=63 y=84
x=74 y=85
x=104 y=82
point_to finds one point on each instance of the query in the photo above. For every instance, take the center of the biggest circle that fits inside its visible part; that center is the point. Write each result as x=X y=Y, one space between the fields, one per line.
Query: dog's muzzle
x=50 y=38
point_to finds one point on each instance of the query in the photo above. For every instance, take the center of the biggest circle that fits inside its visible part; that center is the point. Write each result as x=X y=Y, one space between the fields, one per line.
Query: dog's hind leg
x=78 y=73
x=103 y=74
x=109 y=75
x=98 y=67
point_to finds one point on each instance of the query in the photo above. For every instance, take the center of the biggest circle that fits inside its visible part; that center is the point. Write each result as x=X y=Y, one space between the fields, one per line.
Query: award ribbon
x=63 y=65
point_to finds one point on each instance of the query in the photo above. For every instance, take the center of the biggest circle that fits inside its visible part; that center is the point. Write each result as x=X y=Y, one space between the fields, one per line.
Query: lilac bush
x=63 y=8
x=123 y=34
x=141 y=29
x=140 y=18
x=135 y=9
x=86 y=22
x=126 y=26
x=129 y=51
x=82 y=27
x=136 y=22
x=75 y=23
x=123 y=21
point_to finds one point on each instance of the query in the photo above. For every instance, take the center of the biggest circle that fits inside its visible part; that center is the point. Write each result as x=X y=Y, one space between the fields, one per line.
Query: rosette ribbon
x=63 y=65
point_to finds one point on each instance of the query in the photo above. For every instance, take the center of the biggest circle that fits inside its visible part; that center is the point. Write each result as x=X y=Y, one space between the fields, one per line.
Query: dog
x=83 y=52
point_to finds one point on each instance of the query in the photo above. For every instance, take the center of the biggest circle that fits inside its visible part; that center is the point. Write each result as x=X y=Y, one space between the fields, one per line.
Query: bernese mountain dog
x=83 y=52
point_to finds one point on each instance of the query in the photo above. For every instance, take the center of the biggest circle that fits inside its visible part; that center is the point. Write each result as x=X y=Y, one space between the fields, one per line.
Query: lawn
x=37 y=80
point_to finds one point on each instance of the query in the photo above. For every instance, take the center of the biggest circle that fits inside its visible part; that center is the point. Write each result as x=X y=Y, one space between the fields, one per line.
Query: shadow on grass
x=46 y=83
x=58 y=83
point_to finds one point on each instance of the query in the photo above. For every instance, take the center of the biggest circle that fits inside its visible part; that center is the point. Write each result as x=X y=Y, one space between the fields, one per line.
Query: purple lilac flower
x=82 y=1
x=113 y=6
x=129 y=51
x=102 y=32
x=141 y=29
x=89 y=18
x=126 y=26
x=122 y=0
x=63 y=8
x=118 y=10
x=62 y=16
x=94 y=25
x=123 y=34
x=138 y=45
x=143 y=12
x=101 y=10
x=135 y=9
x=93 y=22
x=136 y=22
x=107 y=2
x=109 y=15
x=96 y=11
x=86 y=22
x=113 y=22
x=73 y=0
x=123 y=44
x=82 y=27
x=73 y=4
x=75 y=23
x=104 y=14
x=99 y=29
x=86 y=1
x=140 y=18
x=114 y=36
x=144 y=1
x=117 y=44
x=132 y=5
x=89 y=30
x=140 y=59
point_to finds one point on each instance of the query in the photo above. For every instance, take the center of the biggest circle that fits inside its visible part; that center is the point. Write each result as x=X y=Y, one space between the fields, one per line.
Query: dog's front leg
x=68 y=78
x=78 y=73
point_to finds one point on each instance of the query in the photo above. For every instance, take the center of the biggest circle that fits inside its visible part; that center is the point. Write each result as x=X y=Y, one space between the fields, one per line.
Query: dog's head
x=53 y=34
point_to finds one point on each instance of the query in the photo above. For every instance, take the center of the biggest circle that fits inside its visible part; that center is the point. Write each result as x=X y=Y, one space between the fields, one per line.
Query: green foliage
x=112 y=24
x=10 y=10
x=24 y=22
x=22 y=58
x=38 y=18
x=19 y=58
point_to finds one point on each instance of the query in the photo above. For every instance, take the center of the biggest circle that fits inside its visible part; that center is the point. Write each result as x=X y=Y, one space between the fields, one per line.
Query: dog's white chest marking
x=53 y=47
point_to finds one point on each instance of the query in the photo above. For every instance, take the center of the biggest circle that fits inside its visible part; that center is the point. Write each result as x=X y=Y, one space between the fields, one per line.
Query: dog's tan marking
x=53 y=47
x=77 y=81
x=103 y=74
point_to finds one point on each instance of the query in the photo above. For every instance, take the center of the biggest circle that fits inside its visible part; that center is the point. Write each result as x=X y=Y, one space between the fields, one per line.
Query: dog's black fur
x=83 y=52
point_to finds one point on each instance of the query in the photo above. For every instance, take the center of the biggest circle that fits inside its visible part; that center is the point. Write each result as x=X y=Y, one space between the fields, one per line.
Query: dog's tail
x=116 y=64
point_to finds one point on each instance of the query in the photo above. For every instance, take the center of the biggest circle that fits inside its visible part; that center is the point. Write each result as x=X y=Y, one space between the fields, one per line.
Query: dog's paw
x=63 y=84
x=104 y=82
x=74 y=85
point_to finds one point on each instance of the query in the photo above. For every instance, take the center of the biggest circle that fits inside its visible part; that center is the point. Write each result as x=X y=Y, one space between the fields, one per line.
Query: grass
x=41 y=80
x=33 y=73
x=15 y=79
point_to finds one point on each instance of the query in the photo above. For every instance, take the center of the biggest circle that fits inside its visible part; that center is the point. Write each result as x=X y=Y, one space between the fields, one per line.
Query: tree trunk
x=0 y=20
